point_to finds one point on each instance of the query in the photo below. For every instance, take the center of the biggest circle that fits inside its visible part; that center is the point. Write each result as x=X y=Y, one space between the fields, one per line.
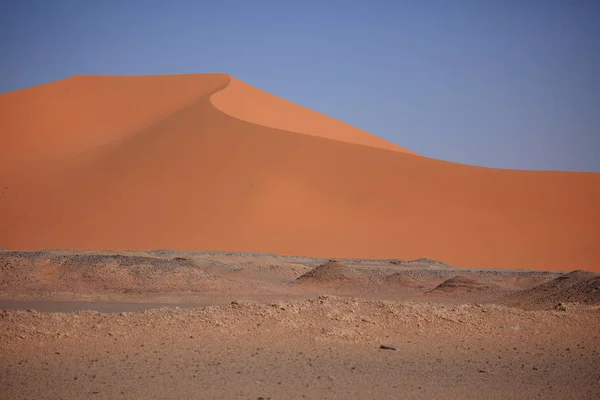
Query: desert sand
x=207 y=162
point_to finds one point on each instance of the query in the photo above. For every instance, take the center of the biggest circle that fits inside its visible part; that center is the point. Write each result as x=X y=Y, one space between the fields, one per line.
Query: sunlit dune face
x=243 y=101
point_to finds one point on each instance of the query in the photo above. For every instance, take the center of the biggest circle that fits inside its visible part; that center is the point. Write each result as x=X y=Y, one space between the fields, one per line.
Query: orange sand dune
x=170 y=162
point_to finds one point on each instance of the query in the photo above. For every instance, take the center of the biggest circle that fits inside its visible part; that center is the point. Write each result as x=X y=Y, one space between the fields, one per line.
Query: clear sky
x=499 y=83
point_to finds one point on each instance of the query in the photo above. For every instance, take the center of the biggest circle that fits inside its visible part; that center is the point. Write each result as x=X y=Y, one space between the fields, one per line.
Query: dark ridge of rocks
x=92 y=259
x=93 y=273
x=120 y=260
x=421 y=262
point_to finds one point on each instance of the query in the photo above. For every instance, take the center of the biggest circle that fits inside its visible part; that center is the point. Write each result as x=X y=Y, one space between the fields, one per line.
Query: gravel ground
x=321 y=348
x=252 y=328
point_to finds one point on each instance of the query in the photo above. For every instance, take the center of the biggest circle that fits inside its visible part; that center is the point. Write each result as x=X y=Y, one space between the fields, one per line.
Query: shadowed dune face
x=186 y=174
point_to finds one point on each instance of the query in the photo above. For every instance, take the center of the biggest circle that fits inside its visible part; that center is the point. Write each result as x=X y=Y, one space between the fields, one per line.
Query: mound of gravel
x=575 y=287
x=460 y=284
x=331 y=271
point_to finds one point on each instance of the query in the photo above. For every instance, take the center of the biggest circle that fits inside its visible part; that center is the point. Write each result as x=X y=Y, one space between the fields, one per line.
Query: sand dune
x=193 y=162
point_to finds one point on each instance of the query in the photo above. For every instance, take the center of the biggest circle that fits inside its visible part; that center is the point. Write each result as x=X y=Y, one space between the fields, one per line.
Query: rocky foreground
x=321 y=348
x=270 y=327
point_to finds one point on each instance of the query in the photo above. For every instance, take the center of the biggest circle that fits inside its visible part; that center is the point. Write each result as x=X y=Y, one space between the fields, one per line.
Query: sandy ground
x=209 y=162
x=287 y=328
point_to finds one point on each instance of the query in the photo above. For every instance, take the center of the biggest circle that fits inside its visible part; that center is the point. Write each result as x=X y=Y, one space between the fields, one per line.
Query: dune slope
x=169 y=162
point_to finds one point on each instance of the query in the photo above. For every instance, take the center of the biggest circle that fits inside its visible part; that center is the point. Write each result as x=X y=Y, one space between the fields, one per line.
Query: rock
x=388 y=347
x=560 y=307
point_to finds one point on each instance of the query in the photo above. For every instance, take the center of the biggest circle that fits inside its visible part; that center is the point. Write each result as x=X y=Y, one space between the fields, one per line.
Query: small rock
x=388 y=347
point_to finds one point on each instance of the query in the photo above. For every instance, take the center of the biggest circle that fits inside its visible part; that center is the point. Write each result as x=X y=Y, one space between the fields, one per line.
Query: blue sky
x=497 y=83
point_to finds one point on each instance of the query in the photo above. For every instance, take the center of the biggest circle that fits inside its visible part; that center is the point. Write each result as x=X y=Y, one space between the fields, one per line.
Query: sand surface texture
x=207 y=162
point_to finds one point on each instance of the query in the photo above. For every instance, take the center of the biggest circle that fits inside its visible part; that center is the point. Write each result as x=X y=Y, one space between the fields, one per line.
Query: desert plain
x=212 y=240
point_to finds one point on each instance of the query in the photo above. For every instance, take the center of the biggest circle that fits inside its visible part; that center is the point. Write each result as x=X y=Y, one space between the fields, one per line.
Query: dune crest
x=83 y=112
x=248 y=103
